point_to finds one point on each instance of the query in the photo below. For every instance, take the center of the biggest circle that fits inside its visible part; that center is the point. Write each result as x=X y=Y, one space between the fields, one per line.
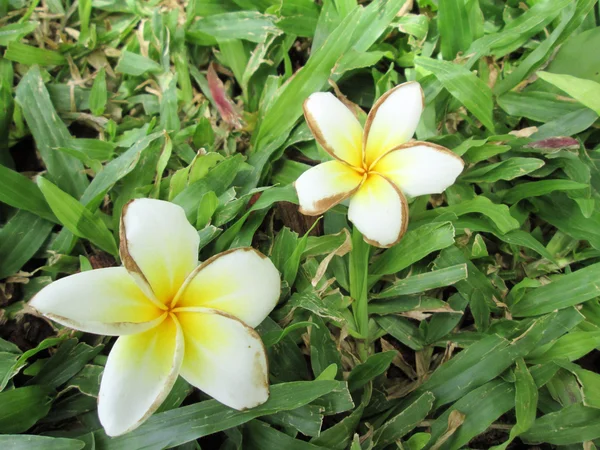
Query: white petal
x=103 y=301
x=324 y=186
x=158 y=245
x=393 y=120
x=379 y=211
x=420 y=168
x=140 y=372
x=242 y=282
x=334 y=127
x=224 y=358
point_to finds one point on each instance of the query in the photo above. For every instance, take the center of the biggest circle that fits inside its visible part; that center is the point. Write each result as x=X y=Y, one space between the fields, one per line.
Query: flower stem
x=359 y=271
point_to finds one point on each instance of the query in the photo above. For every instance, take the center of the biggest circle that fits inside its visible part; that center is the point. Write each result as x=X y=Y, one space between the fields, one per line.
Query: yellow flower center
x=364 y=170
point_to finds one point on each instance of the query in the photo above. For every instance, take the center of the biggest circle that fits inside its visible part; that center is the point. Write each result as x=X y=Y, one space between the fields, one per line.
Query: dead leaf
x=340 y=251
x=455 y=420
x=524 y=132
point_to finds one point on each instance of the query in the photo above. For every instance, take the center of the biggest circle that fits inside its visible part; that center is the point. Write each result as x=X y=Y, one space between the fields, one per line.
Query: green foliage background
x=484 y=321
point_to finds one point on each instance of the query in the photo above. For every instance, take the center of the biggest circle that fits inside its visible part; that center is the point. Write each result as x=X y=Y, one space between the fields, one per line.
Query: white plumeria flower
x=374 y=168
x=173 y=316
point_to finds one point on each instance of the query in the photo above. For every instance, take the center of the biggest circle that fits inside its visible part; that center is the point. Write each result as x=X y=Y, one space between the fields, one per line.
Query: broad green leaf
x=339 y=435
x=566 y=290
x=589 y=381
x=481 y=362
x=374 y=366
x=337 y=401
x=283 y=246
x=84 y=8
x=18 y=191
x=49 y=133
x=480 y=408
x=9 y=347
x=323 y=350
x=15 y=31
x=20 y=239
x=539 y=188
x=237 y=236
x=524 y=239
x=292 y=264
x=87 y=381
x=571 y=346
x=498 y=213
x=22 y=407
x=441 y=324
x=133 y=64
x=249 y=25
x=418 y=441
x=204 y=136
x=68 y=360
x=526 y=397
x=464 y=85
x=571 y=18
x=480 y=310
x=506 y=170
x=188 y=423
x=235 y=56
x=573 y=58
x=404 y=422
x=353 y=60
x=413 y=247
x=206 y=208
x=77 y=218
x=407 y=303
x=374 y=20
x=571 y=425
x=298 y=17
x=425 y=281
x=115 y=170
x=307 y=419
x=323 y=245
x=526 y=401
x=568 y=125
x=310 y=301
x=539 y=106
x=358 y=270
x=518 y=31
x=93 y=148
x=217 y=180
x=259 y=436
x=453 y=24
x=586 y=92
x=286 y=361
x=403 y=330
x=98 y=94
x=29 y=441
x=475 y=281
x=169 y=119
x=7 y=361
x=6 y=110
x=29 y=55
x=564 y=389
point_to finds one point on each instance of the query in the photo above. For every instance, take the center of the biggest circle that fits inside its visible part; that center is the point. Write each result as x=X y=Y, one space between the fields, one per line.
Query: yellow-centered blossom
x=173 y=316
x=376 y=168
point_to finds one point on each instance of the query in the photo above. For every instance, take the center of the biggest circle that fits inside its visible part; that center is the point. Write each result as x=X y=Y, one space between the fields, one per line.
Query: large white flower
x=376 y=168
x=173 y=316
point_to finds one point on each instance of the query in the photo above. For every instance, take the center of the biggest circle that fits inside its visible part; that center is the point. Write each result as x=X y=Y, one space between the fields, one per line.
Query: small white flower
x=173 y=316
x=376 y=168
